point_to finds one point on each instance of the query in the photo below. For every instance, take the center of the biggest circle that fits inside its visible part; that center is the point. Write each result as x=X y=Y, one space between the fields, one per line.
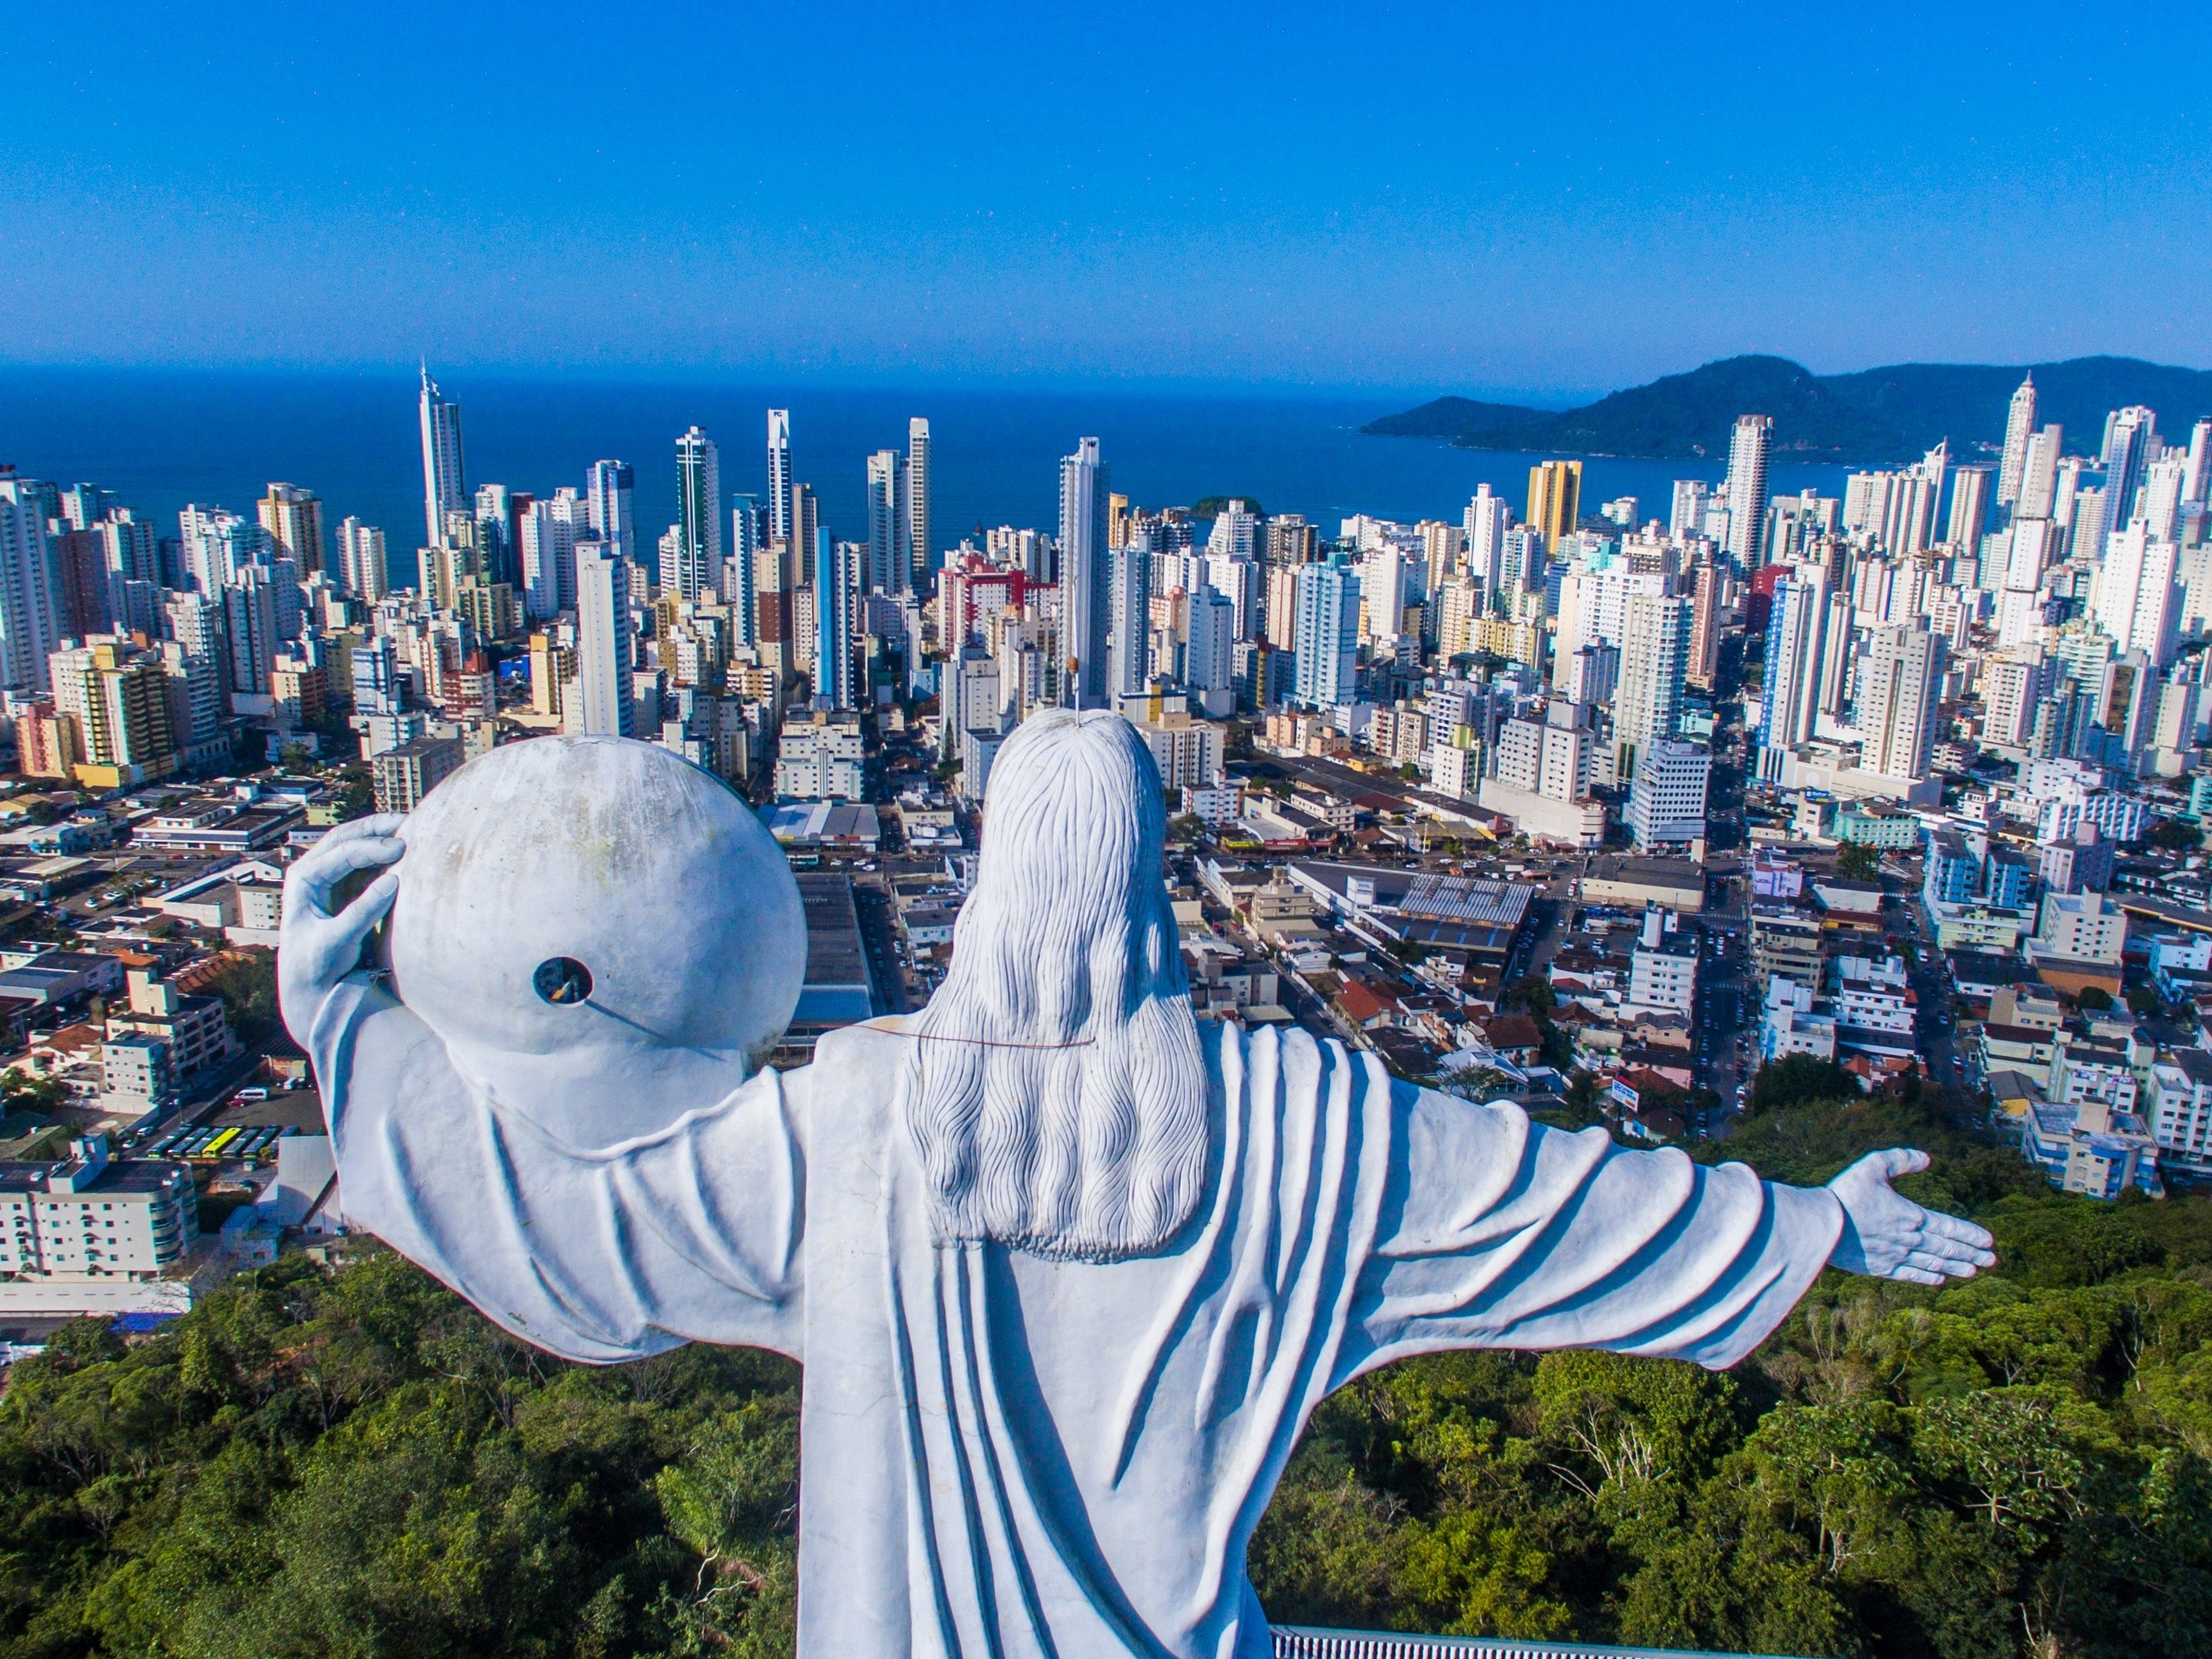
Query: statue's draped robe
x=1006 y=1455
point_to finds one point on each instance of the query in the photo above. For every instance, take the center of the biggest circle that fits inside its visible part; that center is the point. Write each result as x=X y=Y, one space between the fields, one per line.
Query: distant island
x=1888 y=414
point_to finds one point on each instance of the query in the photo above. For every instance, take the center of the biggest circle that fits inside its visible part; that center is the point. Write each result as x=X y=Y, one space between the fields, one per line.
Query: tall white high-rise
x=890 y=522
x=2196 y=471
x=1129 y=643
x=1747 y=489
x=837 y=597
x=600 y=701
x=1209 y=660
x=779 y=475
x=698 y=560
x=2131 y=445
x=361 y=568
x=1796 y=641
x=1485 y=524
x=1899 y=690
x=443 y=491
x=610 y=487
x=1087 y=575
x=1327 y=655
x=2019 y=425
x=30 y=589
x=2137 y=599
x=1970 y=507
x=1654 y=656
x=545 y=546
x=2038 y=474
x=2165 y=480
x=918 y=485
x=1687 y=514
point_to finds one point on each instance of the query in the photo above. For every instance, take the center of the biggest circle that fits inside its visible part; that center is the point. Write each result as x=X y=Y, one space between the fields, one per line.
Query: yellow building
x=1555 y=498
x=121 y=707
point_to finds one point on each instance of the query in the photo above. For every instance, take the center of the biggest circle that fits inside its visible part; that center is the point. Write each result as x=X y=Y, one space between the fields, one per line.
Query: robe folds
x=1006 y=1455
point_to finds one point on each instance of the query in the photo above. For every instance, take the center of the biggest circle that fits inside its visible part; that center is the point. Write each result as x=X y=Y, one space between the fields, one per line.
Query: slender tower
x=779 y=475
x=917 y=502
x=1747 y=490
x=699 y=521
x=1086 y=576
x=2020 y=426
x=442 y=488
x=612 y=488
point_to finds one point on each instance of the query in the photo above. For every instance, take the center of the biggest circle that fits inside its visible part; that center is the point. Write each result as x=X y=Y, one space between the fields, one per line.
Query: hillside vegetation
x=355 y=1463
x=1890 y=414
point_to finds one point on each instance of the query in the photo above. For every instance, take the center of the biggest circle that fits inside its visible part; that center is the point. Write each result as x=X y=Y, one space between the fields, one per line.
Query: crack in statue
x=1067 y=1274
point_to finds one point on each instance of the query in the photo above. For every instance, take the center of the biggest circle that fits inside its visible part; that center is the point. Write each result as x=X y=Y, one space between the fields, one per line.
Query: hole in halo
x=561 y=980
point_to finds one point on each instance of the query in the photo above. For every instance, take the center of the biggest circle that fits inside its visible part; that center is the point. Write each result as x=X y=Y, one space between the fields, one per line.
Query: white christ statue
x=1066 y=1274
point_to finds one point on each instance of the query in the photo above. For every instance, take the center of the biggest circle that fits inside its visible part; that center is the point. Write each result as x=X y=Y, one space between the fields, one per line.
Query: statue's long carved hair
x=1056 y=1091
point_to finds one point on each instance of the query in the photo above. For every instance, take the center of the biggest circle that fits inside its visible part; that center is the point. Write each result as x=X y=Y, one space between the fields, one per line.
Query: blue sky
x=1545 y=200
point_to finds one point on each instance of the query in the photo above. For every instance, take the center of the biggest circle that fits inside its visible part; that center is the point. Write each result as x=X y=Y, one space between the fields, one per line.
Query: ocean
x=161 y=440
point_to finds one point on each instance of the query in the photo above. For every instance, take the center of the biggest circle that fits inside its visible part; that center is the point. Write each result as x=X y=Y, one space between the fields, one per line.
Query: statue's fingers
x=1894 y=1161
x=1911 y=1275
x=1954 y=1250
x=1936 y=1224
x=322 y=870
x=376 y=824
x=1940 y=1263
x=352 y=924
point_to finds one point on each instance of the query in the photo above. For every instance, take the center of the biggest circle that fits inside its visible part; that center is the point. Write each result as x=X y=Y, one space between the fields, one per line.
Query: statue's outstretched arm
x=1496 y=1233
x=692 y=1232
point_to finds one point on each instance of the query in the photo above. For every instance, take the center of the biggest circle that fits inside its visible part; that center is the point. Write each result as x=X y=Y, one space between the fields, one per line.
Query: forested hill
x=1876 y=415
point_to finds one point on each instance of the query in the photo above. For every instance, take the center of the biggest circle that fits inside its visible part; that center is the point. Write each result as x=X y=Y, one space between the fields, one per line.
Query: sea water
x=162 y=439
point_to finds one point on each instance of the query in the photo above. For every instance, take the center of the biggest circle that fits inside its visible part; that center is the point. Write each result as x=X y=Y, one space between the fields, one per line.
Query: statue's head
x=1057 y=1094
x=603 y=904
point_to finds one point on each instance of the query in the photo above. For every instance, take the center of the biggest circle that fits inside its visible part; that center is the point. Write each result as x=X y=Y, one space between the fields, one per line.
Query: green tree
x=1858 y=861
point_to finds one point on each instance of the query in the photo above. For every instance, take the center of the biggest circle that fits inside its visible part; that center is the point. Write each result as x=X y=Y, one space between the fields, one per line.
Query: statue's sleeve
x=692 y=1234
x=1495 y=1232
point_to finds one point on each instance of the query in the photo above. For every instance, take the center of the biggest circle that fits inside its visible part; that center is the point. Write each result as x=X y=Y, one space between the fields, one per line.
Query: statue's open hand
x=316 y=949
x=1888 y=1236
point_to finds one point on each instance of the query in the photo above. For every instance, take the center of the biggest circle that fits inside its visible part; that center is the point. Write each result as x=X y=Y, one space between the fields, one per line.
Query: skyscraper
x=2130 y=442
x=890 y=521
x=1327 y=649
x=1704 y=624
x=1796 y=638
x=837 y=596
x=2019 y=425
x=2038 y=474
x=294 y=518
x=918 y=503
x=443 y=491
x=1555 y=491
x=1746 y=487
x=1654 y=660
x=779 y=475
x=2197 y=471
x=600 y=703
x=30 y=587
x=1901 y=682
x=1129 y=644
x=1483 y=525
x=740 y=569
x=610 y=487
x=1970 y=507
x=361 y=570
x=1087 y=575
x=698 y=517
